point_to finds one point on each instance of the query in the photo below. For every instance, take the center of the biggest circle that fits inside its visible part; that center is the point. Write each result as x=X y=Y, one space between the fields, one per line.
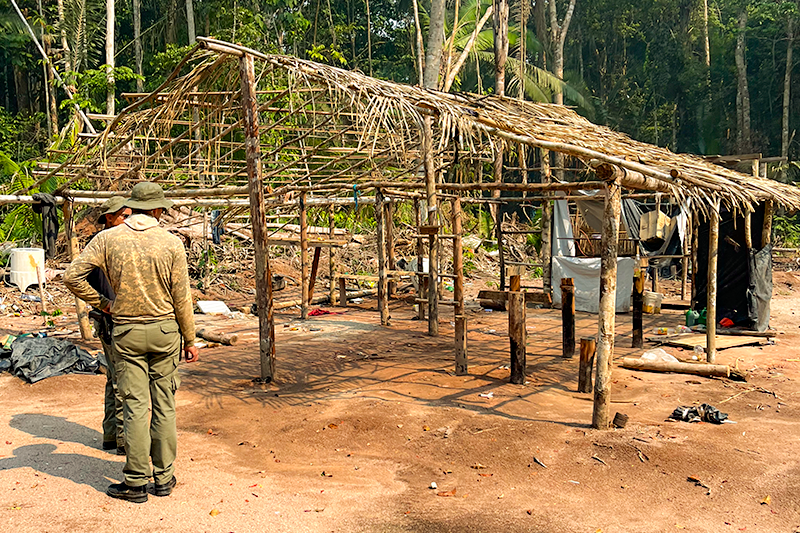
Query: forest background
x=699 y=76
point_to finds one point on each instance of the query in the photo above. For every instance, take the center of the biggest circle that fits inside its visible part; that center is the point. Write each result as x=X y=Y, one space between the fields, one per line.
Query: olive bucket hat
x=147 y=195
x=112 y=205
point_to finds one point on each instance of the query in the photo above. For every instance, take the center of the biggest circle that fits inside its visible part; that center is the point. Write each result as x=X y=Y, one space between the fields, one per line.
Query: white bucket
x=24 y=262
x=652 y=302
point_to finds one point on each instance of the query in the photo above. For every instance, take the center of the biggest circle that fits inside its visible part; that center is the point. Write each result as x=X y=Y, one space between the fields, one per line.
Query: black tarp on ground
x=744 y=281
x=34 y=359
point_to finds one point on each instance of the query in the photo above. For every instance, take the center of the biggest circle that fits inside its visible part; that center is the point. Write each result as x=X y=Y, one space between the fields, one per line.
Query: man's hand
x=191 y=354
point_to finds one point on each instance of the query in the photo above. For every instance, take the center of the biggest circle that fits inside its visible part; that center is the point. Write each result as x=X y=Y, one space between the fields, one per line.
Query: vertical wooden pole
x=303 y=256
x=420 y=259
x=547 y=227
x=432 y=220
x=608 y=301
x=332 y=254
x=517 y=336
x=458 y=292
x=567 y=317
x=258 y=217
x=380 y=231
x=685 y=259
x=342 y=292
x=711 y=284
x=637 y=338
x=390 y=255
x=588 y=347
x=695 y=245
x=654 y=276
x=72 y=245
x=766 y=231
x=515 y=283
x=501 y=250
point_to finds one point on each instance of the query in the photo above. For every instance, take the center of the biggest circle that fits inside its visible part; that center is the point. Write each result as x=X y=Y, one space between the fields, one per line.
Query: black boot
x=166 y=488
x=109 y=445
x=120 y=450
x=122 y=491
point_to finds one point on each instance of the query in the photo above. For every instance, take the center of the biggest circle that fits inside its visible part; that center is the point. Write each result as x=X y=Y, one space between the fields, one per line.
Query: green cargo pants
x=112 y=413
x=147 y=377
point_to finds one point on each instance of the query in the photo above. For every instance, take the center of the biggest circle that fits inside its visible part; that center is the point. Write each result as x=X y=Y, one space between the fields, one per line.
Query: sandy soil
x=362 y=419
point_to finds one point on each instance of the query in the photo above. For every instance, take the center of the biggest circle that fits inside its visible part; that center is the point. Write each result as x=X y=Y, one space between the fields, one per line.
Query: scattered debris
x=538 y=462
x=699 y=483
x=620 y=420
x=599 y=460
x=434 y=486
x=447 y=493
x=489 y=395
x=478 y=466
x=701 y=413
x=767 y=500
x=212 y=307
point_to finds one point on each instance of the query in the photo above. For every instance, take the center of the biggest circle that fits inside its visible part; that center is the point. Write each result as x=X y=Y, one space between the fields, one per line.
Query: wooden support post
x=588 y=347
x=380 y=230
x=711 y=284
x=312 y=280
x=637 y=338
x=303 y=256
x=431 y=220
x=695 y=244
x=608 y=301
x=420 y=259
x=654 y=278
x=685 y=259
x=501 y=251
x=258 y=217
x=515 y=283
x=332 y=255
x=567 y=317
x=390 y=255
x=547 y=227
x=766 y=231
x=458 y=291
x=72 y=246
x=342 y=292
x=517 y=335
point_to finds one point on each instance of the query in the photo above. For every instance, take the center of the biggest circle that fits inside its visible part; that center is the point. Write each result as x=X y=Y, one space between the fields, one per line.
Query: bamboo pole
x=266 y=324
x=711 y=283
x=547 y=227
x=766 y=231
x=432 y=220
x=458 y=291
x=72 y=247
x=567 y=317
x=695 y=262
x=517 y=335
x=501 y=252
x=332 y=255
x=303 y=256
x=608 y=300
x=380 y=230
x=312 y=280
x=685 y=259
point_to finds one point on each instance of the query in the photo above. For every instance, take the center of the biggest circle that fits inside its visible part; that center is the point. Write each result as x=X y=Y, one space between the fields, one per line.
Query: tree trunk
x=742 y=94
x=21 y=88
x=500 y=45
x=540 y=26
x=64 y=42
x=433 y=57
x=558 y=35
x=137 y=42
x=190 y=21
x=172 y=37
x=787 y=84
x=369 y=38
x=420 y=47
x=706 y=46
x=110 y=21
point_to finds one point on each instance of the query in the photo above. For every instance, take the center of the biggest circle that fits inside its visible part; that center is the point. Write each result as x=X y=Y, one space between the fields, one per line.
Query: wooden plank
x=690 y=340
x=567 y=317
x=517 y=335
x=588 y=347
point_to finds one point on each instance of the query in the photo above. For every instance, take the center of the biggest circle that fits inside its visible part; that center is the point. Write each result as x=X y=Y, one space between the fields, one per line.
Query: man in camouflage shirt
x=146 y=266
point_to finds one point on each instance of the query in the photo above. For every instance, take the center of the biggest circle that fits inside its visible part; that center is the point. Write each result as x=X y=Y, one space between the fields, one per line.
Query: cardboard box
x=654 y=225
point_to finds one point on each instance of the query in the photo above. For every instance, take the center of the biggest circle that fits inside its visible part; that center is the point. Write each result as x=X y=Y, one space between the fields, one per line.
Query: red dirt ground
x=362 y=419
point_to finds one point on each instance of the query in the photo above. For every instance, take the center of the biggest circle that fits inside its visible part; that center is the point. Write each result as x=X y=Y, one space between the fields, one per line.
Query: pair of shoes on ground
x=122 y=491
x=107 y=446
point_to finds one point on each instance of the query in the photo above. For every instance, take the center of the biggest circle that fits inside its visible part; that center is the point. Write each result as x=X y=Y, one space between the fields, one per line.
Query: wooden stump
x=588 y=346
x=517 y=336
x=567 y=317
x=637 y=340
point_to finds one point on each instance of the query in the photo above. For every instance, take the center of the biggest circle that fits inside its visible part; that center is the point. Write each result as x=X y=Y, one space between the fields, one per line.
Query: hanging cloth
x=45 y=204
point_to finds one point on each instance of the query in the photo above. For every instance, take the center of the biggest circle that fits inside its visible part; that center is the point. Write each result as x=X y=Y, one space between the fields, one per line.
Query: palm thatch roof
x=328 y=129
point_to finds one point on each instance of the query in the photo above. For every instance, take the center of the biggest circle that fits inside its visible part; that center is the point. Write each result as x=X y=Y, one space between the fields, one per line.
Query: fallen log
x=697 y=369
x=286 y=304
x=218 y=336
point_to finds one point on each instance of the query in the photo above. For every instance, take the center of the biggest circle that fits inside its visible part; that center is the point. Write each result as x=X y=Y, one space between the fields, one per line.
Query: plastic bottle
x=692 y=317
x=702 y=319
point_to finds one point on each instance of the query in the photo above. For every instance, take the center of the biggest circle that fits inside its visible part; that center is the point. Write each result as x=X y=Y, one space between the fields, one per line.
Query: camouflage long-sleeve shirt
x=146 y=266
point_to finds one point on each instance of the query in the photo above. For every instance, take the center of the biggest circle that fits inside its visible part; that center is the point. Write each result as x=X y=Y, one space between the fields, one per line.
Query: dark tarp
x=744 y=280
x=46 y=205
x=34 y=359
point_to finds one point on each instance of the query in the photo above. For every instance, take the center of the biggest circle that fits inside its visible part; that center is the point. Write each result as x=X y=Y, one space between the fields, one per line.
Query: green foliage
x=786 y=230
x=93 y=86
x=22 y=137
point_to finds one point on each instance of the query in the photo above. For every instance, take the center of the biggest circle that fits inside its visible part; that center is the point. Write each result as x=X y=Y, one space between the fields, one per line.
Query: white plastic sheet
x=586 y=273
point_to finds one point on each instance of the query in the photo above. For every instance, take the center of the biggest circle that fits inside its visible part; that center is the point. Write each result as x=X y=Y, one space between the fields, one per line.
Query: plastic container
x=692 y=318
x=24 y=262
x=702 y=319
x=652 y=302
